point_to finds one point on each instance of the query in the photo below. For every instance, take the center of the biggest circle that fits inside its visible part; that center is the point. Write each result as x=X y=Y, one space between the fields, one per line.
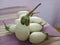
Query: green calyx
x=6 y=27
x=25 y=20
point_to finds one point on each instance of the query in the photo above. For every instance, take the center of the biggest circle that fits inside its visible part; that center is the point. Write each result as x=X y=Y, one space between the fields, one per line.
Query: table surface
x=12 y=40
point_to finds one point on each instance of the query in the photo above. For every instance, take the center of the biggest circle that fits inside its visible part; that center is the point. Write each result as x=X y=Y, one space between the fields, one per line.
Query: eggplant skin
x=37 y=37
x=35 y=27
x=12 y=28
x=35 y=19
x=22 y=31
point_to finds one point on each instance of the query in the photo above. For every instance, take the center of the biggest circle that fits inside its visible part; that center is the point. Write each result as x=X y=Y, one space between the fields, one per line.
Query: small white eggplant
x=35 y=19
x=22 y=13
x=35 y=27
x=22 y=32
x=12 y=28
x=17 y=21
x=37 y=37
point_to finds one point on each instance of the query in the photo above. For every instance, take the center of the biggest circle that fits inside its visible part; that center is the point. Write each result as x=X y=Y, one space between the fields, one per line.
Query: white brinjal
x=12 y=28
x=35 y=27
x=17 y=21
x=25 y=20
x=22 y=32
x=36 y=19
x=22 y=13
x=38 y=37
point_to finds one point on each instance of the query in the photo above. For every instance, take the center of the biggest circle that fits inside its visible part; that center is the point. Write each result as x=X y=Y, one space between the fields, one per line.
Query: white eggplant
x=36 y=19
x=17 y=21
x=22 y=13
x=37 y=37
x=35 y=27
x=12 y=28
x=22 y=32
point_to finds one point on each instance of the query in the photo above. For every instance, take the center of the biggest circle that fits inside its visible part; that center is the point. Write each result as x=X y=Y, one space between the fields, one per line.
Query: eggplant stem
x=36 y=12
x=42 y=24
x=6 y=27
x=29 y=14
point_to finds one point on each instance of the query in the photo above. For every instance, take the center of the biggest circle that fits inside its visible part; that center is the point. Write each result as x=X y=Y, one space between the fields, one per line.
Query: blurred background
x=49 y=10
